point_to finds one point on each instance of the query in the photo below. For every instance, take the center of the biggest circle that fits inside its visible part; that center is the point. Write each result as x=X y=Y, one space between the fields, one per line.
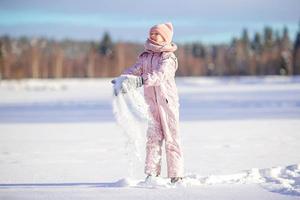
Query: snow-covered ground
x=59 y=140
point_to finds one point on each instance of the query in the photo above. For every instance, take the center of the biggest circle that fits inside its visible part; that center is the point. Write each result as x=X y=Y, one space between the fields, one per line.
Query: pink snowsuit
x=160 y=91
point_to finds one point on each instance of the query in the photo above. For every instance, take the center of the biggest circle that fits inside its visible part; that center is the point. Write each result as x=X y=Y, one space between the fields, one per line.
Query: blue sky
x=210 y=21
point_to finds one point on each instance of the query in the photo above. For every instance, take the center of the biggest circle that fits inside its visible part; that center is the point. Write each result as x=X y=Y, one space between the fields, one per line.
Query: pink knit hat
x=165 y=30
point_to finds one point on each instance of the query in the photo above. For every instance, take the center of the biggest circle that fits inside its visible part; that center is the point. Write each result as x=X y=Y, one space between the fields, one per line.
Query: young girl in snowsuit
x=155 y=69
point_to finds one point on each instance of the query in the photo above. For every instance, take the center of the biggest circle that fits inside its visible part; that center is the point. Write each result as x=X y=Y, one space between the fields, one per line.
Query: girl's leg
x=154 y=145
x=153 y=157
x=170 y=123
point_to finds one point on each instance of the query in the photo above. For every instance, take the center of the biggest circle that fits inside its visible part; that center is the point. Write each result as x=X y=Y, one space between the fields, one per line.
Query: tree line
x=267 y=53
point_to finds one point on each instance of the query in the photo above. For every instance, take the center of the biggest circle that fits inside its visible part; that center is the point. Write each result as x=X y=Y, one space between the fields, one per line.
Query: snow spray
x=132 y=115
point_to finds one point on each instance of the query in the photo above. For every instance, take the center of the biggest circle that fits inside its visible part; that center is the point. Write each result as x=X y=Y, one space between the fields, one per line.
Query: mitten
x=124 y=83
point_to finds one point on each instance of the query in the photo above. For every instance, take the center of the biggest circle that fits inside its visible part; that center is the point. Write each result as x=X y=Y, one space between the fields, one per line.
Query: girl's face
x=154 y=35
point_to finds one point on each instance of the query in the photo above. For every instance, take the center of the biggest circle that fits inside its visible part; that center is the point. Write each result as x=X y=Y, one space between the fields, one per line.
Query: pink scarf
x=151 y=45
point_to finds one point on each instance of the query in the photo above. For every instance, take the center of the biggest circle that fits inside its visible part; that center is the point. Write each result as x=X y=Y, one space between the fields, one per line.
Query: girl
x=155 y=69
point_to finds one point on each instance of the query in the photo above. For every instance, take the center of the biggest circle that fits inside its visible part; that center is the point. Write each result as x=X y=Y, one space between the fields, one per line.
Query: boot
x=175 y=179
x=149 y=177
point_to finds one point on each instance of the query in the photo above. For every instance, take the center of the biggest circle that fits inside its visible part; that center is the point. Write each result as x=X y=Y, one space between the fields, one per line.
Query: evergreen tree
x=277 y=37
x=106 y=44
x=285 y=33
x=268 y=37
x=198 y=50
x=286 y=43
x=1 y=49
x=246 y=43
x=256 y=43
x=296 y=54
x=233 y=42
x=245 y=37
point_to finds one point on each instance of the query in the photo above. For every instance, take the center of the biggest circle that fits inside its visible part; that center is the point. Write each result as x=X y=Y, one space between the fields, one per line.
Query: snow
x=59 y=140
x=132 y=115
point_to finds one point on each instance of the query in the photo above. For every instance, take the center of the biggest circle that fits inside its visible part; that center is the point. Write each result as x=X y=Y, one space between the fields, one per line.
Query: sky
x=207 y=21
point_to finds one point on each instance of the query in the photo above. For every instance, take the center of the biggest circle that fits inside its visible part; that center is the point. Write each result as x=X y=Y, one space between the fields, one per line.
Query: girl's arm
x=166 y=70
x=135 y=69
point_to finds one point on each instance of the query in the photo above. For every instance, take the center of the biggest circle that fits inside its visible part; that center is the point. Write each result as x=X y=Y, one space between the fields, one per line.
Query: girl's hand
x=124 y=83
x=118 y=85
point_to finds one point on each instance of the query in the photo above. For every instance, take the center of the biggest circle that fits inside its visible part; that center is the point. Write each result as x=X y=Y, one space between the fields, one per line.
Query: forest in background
x=269 y=52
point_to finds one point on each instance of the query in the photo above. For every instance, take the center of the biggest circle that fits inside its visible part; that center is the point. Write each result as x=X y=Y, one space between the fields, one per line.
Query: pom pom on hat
x=169 y=25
